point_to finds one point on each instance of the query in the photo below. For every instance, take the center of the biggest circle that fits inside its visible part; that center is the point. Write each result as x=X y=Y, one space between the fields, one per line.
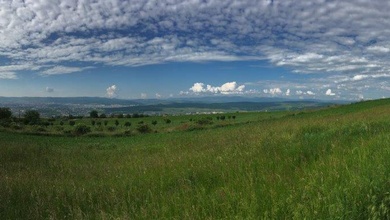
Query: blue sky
x=175 y=48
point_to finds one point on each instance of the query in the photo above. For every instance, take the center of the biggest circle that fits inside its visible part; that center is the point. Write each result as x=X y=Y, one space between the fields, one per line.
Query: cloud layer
x=347 y=40
x=307 y=36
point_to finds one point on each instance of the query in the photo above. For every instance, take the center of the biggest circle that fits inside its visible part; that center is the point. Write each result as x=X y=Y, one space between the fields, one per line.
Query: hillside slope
x=328 y=164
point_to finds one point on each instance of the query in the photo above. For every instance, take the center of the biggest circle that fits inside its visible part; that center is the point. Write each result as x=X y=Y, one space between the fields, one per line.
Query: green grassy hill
x=326 y=164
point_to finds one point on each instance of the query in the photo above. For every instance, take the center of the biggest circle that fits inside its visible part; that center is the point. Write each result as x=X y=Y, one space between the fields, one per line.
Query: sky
x=131 y=49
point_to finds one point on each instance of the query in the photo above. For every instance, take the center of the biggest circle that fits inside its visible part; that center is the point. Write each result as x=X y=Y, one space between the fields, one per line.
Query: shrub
x=93 y=122
x=144 y=129
x=105 y=123
x=116 y=122
x=72 y=123
x=111 y=129
x=5 y=113
x=167 y=120
x=128 y=124
x=154 y=122
x=81 y=129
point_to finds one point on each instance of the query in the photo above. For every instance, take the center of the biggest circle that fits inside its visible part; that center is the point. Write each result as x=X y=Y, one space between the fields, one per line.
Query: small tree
x=116 y=123
x=168 y=121
x=105 y=123
x=103 y=116
x=94 y=114
x=154 y=122
x=72 y=123
x=127 y=124
x=93 y=122
x=61 y=123
x=222 y=117
x=234 y=117
x=31 y=117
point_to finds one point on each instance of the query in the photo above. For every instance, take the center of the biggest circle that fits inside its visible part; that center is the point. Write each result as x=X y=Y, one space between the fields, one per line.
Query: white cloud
x=288 y=92
x=158 y=96
x=144 y=96
x=8 y=75
x=273 y=91
x=329 y=93
x=197 y=87
x=226 y=88
x=49 y=90
x=310 y=93
x=56 y=70
x=111 y=91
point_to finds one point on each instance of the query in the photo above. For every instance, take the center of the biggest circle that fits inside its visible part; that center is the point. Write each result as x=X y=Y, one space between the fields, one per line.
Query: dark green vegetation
x=325 y=164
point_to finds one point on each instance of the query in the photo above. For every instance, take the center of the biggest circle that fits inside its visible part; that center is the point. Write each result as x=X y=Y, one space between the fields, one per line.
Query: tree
x=72 y=123
x=168 y=121
x=128 y=124
x=5 y=113
x=154 y=122
x=94 y=114
x=31 y=117
x=93 y=122
x=116 y=122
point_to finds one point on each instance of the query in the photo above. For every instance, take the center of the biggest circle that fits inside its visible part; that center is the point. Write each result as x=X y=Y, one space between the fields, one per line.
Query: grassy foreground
x=328 y=164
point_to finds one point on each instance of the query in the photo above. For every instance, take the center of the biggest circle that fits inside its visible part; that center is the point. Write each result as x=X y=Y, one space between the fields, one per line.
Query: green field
x=332 y=163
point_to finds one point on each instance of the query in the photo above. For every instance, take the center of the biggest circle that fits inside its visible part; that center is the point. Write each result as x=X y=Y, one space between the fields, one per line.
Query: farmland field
x=332 y=163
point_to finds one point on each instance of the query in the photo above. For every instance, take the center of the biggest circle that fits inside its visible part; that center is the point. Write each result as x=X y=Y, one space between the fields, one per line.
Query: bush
x=72 y=123
x=5 y=113
x=167 y=120
x=81 y=129
x=154 y=122
x=144 y=129
x=111 y=129
x=128 y=124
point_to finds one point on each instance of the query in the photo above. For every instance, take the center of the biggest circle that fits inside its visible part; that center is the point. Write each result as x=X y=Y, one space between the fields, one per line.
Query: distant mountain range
x=50 y=106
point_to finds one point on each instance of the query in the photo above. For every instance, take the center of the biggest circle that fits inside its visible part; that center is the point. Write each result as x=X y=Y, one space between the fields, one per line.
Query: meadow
x=332 y=163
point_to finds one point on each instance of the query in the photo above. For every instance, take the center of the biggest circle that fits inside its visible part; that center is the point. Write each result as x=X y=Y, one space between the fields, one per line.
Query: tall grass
x=330 y=164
